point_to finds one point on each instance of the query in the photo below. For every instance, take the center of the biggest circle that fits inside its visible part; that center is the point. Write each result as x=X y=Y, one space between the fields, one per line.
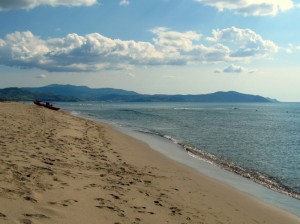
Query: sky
x=151 y=47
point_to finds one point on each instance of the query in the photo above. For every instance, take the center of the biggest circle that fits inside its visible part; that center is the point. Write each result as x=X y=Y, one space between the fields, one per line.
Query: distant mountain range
x=57 y=92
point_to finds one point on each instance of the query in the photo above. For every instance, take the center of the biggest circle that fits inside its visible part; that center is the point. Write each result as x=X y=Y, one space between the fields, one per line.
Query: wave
x=75 y=113
x=140 y=113
x=202 y=108
x=188 y=108
x=257 y=177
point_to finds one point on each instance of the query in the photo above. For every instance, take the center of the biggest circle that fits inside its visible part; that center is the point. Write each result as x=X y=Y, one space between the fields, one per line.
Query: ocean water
x=260 y=142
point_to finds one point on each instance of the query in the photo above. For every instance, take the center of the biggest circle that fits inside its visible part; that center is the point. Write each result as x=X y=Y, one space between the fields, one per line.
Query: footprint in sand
x=28 y=198
x=175 y=211
x=112 y=208
x=37 y=216
x=68 y=202
x=64 y=203
x=115 y=196
x=34 y=216
x=26 y=221
x=52 y=203
x=157 y=203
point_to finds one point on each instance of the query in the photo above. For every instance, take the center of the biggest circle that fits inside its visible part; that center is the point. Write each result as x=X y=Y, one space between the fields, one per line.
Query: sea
x=259 y=142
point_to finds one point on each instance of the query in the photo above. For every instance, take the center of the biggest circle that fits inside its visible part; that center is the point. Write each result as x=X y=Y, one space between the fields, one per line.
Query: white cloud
x=173 y=39
x=124 y=2
x=248 y=43
x=251 y=7
x=75 y=53
x=94 y=51
x=180 y=47
x=292 y=48
x=29 y=4
x=234 y=69
x=23 y=49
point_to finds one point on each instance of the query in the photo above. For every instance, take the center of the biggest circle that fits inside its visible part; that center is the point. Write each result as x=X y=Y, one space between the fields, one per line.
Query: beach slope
x=57 y=168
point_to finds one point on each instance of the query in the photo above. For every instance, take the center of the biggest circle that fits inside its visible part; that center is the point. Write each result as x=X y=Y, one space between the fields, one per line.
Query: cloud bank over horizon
x=30 y=4
x=94 y=52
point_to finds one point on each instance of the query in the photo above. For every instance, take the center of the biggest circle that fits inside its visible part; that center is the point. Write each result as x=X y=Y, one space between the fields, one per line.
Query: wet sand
x=57 y=168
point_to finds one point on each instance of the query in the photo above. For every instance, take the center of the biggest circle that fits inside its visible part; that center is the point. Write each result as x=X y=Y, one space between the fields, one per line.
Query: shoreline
x=212 y=170
x=263 y=188
x=254 y=176
x=58 y=168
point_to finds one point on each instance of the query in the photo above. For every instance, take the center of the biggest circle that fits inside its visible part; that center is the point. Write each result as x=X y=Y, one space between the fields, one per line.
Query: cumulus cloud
x=94 y=51
x=74 y=52
x=291 y=48
x=251 y=7
x=124 y=2
x=173 y=39
x=234 y=69
x=249 y=43
x=29 y=4
x=23 y=49
x=183 y=47
x=231 y=69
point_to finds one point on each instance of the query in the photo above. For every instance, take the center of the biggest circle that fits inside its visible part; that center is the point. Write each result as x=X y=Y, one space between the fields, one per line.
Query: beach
x=58 y=168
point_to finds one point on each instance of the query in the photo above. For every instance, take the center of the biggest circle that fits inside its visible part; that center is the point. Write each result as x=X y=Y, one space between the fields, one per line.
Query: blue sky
x=157 y=46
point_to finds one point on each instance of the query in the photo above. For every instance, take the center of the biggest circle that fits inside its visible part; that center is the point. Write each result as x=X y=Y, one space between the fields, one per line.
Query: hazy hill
x=82 y=93
x=14 y=94
x=19 y=94
x=213 y=97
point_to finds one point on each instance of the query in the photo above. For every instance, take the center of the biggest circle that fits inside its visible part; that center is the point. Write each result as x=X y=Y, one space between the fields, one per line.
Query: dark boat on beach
x=47 y=105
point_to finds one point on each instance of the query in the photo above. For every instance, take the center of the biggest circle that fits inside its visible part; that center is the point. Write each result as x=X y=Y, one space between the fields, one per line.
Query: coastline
x=177 y=153
x=58 y=168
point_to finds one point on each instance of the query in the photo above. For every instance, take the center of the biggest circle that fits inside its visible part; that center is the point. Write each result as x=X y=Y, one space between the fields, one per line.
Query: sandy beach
x=58 y=168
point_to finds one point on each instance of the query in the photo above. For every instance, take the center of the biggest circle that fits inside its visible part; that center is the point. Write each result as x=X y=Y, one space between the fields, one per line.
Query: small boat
x=47 y=105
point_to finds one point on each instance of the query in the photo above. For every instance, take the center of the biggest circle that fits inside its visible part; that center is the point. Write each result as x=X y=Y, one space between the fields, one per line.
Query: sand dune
x=57 y=168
